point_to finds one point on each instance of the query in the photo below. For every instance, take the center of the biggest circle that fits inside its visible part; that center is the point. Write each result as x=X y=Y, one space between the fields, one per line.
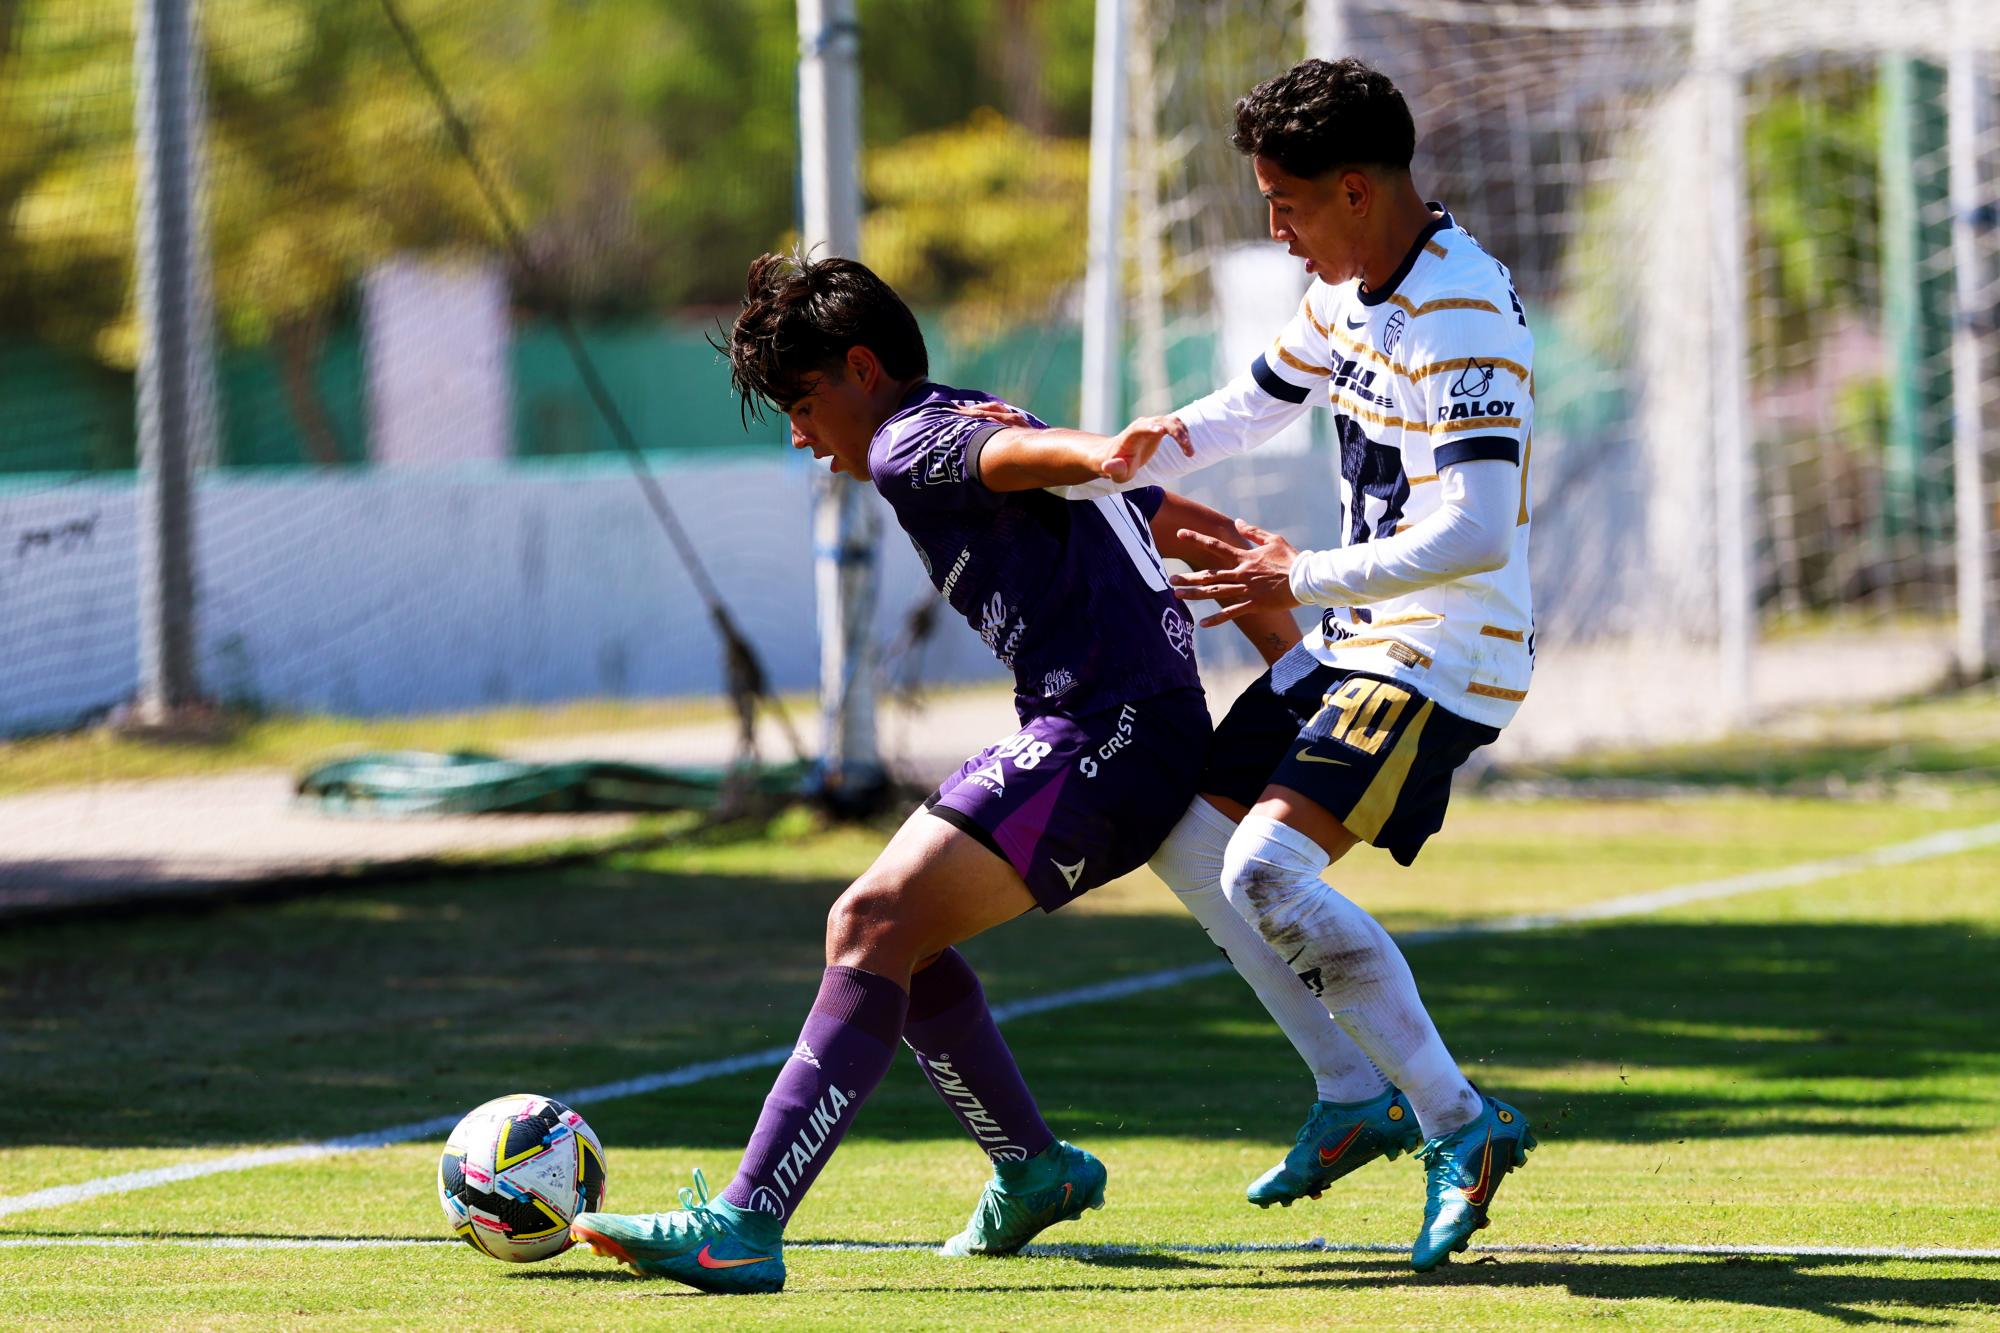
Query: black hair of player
x=1323 y=114
x=801 y=315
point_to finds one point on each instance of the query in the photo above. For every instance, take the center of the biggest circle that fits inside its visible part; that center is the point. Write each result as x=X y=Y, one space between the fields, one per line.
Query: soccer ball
x=514 y=1173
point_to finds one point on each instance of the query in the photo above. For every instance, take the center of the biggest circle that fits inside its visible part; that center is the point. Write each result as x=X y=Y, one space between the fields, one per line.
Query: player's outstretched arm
x=1271 y=630
x=1471 y=532
x=1018 y=458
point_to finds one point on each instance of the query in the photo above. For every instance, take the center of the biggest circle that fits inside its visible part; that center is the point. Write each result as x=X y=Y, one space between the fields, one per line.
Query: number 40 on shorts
x=1367 y=712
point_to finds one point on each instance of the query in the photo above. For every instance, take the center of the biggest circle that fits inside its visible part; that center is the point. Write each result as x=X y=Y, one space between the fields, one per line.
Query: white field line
x=1638 y=904
x=1084 y=1252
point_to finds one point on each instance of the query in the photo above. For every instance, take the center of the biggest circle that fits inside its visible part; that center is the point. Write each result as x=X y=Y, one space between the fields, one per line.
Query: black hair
x=801 y=315
x=1322 y=114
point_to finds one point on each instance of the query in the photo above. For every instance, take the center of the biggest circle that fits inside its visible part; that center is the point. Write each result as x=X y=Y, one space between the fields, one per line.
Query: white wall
x=404 y=590
x=436 y=335
x=386 y=592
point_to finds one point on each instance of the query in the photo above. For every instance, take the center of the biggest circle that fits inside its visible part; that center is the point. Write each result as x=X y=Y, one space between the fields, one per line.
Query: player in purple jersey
x=1070 y=594
x=1355 y=736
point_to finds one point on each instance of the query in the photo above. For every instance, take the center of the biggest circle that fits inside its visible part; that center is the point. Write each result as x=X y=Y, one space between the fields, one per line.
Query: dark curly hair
x=1322 y=114
x=801 y=315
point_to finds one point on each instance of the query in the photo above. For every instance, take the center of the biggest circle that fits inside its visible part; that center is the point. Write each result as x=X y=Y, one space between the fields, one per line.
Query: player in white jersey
x=1413 y=337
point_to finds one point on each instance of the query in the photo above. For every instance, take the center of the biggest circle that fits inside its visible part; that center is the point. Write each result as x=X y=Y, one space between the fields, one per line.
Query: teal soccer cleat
x=1025 y=1198
x=1462 y=1170
x=712 y=1246
x=1338 y=1137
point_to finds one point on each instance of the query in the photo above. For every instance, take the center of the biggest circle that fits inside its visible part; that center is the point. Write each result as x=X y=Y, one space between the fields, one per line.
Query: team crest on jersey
x=1392 y=333
x=1057 y=682
x=944 y=463
x=1179 y=630
x=1473 y=381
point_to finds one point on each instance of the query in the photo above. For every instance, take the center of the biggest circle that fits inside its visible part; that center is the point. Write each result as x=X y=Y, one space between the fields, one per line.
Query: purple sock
x=846 y=1046
x=961 y=1052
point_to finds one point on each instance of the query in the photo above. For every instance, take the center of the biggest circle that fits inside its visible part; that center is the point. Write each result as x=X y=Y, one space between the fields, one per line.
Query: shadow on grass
x=332 y=1015
x=1798 y=1285
x=1804 y=769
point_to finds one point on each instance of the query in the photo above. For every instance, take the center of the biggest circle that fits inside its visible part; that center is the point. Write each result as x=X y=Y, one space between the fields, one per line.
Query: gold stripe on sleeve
x=1296 y=364
x=1415 y=311
x=1495 y=632
x=1360 y=413
x=1515 y=368
x=1495 y=692
x=1477 y=423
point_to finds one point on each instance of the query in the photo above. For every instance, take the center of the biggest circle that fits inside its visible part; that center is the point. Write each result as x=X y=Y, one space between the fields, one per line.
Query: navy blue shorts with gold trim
x=1375 y=753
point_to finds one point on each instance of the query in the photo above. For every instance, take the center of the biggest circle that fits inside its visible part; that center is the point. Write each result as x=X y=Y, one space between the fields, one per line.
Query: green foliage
x=1812 y=154
x=648 y=148
x=985 y=216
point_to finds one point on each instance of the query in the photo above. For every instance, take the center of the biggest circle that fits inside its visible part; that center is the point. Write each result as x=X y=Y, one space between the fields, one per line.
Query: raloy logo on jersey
x=1473 y=381
x=1495 y=407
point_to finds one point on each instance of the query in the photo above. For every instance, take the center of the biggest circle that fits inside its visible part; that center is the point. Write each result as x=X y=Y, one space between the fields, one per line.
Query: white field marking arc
x=1948 y=843
x=1315 y=1246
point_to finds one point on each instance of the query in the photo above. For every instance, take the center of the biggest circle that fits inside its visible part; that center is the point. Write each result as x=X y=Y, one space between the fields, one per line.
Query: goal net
x=1755 y=239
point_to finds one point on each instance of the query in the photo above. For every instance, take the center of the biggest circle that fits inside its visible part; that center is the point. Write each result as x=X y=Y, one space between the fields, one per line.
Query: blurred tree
x=986 y=218
x=647 y=146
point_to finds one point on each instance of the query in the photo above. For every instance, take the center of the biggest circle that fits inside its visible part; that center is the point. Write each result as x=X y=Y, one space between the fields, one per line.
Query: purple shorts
x=1075 y=802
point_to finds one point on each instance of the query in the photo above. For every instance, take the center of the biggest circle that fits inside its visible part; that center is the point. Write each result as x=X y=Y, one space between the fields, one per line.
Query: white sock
x=1190 y=861
x=1271 y=874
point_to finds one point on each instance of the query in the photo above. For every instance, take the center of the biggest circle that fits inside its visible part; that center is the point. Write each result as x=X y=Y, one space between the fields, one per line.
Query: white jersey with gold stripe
x=1433 y=368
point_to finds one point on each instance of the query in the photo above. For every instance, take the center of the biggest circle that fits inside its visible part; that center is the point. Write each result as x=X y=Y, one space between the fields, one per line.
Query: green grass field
x=1812 y=1066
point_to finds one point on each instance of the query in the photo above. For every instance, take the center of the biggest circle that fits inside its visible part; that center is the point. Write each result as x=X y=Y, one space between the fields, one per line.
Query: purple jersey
x=1068 y=593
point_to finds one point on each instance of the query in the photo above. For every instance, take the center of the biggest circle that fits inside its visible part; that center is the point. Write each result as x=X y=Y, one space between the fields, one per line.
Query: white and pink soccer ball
x=514 y=1173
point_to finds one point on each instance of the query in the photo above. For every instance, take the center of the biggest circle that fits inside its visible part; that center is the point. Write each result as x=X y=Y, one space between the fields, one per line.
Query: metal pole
x=1103 y=322
x=1916 y=303
x=1326 y=29
x=1155 y=385
x=1729 y=406
x=175 y=401
x=846 y=525
x=1978 y=645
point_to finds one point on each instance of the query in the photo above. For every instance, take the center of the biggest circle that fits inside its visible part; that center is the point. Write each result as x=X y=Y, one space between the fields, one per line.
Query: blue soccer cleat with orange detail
x=710 y=1245
x=1461 y=1172
x=1338 y=1137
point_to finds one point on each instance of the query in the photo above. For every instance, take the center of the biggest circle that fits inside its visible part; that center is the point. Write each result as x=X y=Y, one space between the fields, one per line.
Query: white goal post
x=1757 y=242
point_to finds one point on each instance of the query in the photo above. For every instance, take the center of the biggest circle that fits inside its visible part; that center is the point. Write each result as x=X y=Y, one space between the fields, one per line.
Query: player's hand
x=1131 y=448
x=1005 y=413
x=1259 y=577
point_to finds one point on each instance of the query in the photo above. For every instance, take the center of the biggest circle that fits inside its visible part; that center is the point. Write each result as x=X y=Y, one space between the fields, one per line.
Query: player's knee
x=1191 y=858
x=864 y=925
x=1267 y=870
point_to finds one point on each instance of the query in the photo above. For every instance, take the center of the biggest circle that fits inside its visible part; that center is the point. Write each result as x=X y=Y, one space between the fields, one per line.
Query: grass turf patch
x=1812 y=1066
